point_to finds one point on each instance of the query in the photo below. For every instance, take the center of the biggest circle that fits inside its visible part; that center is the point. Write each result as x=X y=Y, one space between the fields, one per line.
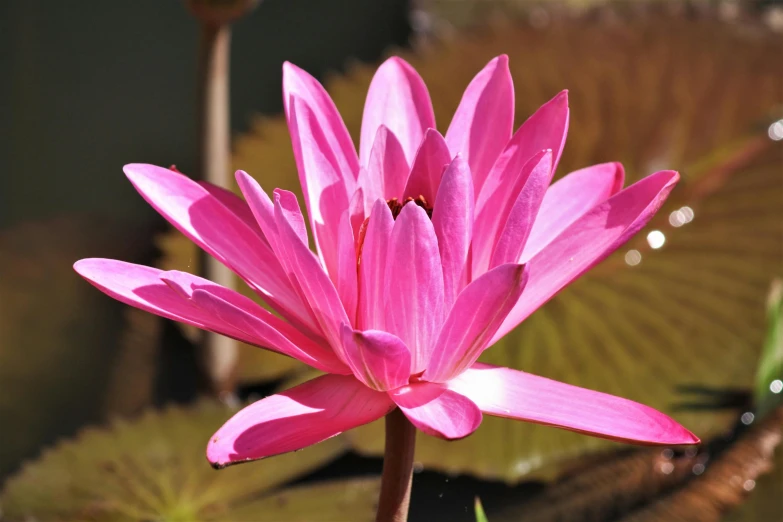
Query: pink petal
x=516 y=229
x=301 y=416
x=477 y=314
x=346 y=283
x=482 y=125
x=378 y=359
x=431 y=160
x=492 y=212
x=387 y=169
x=372 y=268
x=325 y=186
x=438 y=411
x=234 y=203
x=245 y=317
x=570 y=198
x=504 y=392
x=398 y=99
x=297 y=82
x=212 y=226
x=452 y=219
x=588 y=241
x=168 y=294
x=545 y=129
x=312 y=283
x=414 y=284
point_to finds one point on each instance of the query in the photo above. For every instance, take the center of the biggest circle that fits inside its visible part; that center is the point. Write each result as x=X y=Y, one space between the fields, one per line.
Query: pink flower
x=429 y=249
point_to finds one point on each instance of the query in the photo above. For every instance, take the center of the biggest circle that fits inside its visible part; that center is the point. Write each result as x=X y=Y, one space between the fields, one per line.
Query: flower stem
x=219 y=353
x=397 y=468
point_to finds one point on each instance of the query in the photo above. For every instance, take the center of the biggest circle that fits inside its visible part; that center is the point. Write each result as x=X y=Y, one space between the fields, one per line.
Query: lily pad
x=154 y=468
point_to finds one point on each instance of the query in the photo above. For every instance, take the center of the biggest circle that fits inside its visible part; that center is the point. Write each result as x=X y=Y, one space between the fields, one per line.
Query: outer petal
x=431 y=160
x=234 y=203
x=212 y=226
x=378 y=359
x=493 y=211
x=438 y=411
x=372 y=268
x=588 y=241
x=387 y=169
x=169 y=294
x=516 y=229
x=482 y=125
x=326 y=188
x=299 y=83
x=452 y=219
x=398 y=99
x=414 y=284
x=504 y=392
x=301 y=416
x=570 y=198
x=477 y=314
x=312 y=283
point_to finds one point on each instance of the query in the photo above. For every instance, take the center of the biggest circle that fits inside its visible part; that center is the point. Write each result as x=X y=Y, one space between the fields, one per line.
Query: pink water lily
x=429 y=249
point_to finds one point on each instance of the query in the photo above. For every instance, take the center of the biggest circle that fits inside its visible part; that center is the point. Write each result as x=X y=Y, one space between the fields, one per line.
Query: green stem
x=397 y=469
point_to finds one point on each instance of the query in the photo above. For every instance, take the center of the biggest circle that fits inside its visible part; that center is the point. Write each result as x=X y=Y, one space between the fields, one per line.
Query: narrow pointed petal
x=325 y=186
x=372 y=268
x=570 y=198
x=169 y=295
x=212 y=226
x=378 y=359
x=482 y=125
x=547 y=128
x=312 y=283
x=504 y=392
x=346 y=283
x=246 y=318
x=234 y=203
x=452 y=219
x=588 y=241
x=477 y=314
x=516 y=230
x=431 y=160
x=299 y=83
x=437 y=410
x=398 y=99
x=414 y=284
x=291 y=420
x=387 y=169
x=260 y=205
x=492 y=212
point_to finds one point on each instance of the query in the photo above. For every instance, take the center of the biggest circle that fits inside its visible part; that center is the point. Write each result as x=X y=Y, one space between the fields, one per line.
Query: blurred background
x=105 y=411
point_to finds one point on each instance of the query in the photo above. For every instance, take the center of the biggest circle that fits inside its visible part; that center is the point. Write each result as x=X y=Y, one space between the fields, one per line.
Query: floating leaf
x=154 y=468
x=57 y=334
x=769 y=377
x=663 y=91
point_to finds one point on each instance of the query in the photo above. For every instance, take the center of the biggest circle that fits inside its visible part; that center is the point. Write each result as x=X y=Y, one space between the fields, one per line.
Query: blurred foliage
x=153 y=468
x=769 y=378
x=679 y=91
x=57 y=333
x=647 y=485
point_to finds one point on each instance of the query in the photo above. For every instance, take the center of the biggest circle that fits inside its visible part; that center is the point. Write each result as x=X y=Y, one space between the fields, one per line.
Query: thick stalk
x=397 y=469
x=219 y=353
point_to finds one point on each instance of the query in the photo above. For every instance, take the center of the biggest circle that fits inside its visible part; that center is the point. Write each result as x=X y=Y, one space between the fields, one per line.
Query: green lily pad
x=154 y=468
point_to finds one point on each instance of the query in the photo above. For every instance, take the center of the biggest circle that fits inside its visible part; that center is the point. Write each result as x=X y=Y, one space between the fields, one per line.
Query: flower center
x=396 y=207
